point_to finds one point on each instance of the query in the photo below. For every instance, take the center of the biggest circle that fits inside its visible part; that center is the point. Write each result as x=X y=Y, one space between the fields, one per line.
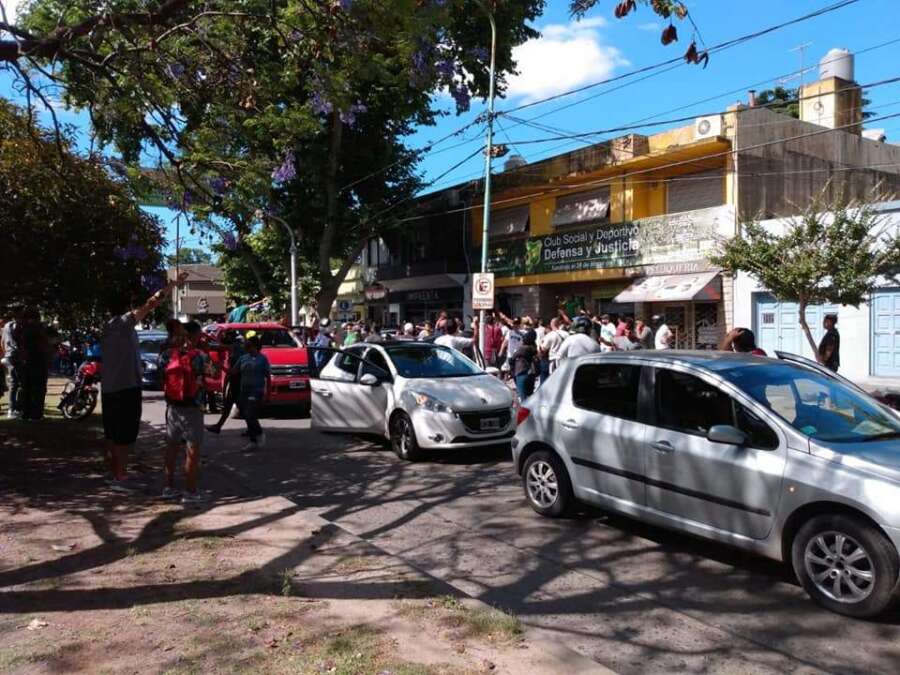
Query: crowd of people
x=527 y=350
x=523 y=349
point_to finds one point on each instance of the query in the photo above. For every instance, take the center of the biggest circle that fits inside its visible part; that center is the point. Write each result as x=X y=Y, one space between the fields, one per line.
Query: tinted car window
x=687 y=403
x=690 y=405
x=816 y=405
x=375 y=364
x=608 y=388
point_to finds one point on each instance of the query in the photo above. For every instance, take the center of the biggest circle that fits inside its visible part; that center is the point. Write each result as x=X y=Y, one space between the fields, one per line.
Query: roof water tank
x=837 y=63
x=514 y=162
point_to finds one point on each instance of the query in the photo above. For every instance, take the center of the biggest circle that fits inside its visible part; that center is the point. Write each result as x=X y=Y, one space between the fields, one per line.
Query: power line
x=724 y=153
x=675 y=120
x=742 y=89
x=715 y=48
x=426 y=149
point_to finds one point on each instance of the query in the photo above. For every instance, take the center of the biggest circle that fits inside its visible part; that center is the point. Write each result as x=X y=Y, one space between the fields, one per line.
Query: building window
x=582 y=208
x=507 y=222
x=694 y=191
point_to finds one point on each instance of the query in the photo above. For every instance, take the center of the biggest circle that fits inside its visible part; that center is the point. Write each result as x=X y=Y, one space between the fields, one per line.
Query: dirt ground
x=92 y=581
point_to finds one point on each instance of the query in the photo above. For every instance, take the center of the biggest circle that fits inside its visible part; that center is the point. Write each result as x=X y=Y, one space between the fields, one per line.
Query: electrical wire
x=564 y=187
x=715 y=48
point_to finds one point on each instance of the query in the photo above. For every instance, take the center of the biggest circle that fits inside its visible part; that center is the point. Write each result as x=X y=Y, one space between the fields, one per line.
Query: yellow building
x=623 y=227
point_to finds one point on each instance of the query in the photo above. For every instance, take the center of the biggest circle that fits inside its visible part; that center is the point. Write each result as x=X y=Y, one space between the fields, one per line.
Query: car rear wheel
x=846 y=565
x=547 y=485
x=403 y=438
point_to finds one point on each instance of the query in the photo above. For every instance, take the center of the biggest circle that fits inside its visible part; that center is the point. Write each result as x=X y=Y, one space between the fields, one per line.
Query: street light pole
x=489 y=151
x=290 y=232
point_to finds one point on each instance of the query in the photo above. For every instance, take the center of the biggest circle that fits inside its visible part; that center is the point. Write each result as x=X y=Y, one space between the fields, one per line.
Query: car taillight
x=521 y=415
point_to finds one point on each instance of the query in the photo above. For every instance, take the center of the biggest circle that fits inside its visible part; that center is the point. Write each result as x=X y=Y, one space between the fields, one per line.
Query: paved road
x=632 y=597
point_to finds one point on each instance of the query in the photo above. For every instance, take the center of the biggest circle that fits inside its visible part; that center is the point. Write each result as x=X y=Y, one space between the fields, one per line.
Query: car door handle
x=662 y=446
x=570 y=424
x=324 y=392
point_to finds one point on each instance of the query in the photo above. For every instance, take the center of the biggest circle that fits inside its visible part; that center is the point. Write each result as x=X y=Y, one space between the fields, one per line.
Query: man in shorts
x=121 y=389
x=184 y=418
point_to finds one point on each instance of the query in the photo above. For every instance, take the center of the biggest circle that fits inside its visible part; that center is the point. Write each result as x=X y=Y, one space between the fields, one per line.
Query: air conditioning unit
x=708 y=127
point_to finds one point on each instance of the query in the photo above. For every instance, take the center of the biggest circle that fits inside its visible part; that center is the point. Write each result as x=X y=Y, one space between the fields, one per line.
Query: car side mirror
x=725 y=433
x=369 y=380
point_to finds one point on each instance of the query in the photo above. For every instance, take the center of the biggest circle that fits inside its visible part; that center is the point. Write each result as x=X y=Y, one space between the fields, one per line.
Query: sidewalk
x=94 y=581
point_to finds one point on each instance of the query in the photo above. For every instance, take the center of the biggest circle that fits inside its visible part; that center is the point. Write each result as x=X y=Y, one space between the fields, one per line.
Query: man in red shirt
x=493 y=339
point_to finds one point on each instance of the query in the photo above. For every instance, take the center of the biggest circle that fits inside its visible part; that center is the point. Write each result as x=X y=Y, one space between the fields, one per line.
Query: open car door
x=348 y=393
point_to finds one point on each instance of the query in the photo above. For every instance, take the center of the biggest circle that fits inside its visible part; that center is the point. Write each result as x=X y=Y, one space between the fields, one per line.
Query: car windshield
x=814 y=404
x=274 y=337
x=430 y=361
x=152 y=346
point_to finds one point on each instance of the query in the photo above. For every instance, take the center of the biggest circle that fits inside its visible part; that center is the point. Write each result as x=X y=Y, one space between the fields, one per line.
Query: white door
x=341 y=402
x=778 y=325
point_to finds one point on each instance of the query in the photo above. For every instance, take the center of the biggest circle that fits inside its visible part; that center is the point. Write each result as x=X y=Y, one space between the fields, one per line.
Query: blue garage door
x=778 y=324
x=886 y=333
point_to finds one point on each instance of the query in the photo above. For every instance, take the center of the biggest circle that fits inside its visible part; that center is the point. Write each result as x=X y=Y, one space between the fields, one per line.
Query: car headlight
x=430 y=403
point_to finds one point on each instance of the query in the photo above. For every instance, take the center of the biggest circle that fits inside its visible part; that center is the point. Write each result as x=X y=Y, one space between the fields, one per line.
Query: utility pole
x=176 y=300
x=488 y=153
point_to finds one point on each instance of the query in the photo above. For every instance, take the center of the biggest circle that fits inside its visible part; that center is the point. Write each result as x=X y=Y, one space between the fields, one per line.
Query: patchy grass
x=55 y=657
x=467 y=622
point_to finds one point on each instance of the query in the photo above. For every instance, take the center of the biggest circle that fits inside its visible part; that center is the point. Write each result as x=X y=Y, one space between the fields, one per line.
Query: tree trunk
x=807 y=332
x=331 y=196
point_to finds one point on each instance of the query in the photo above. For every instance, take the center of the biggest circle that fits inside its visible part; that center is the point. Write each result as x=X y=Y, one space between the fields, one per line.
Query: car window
x=817 y=406
x=342 y=367
x=688 y=404
x=608 y=388
x=691 y=405
x=414 y=360
x=151 y=346
x=375 y=364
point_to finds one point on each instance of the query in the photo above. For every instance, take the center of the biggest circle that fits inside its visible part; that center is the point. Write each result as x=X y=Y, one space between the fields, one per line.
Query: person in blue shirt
x=256 y=377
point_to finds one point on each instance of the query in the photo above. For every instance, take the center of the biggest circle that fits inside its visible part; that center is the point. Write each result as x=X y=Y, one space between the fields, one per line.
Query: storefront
x=418 y=306
x=643 y=267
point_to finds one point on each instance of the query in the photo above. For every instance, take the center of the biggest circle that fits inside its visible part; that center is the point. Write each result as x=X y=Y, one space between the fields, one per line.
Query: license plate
x=297 y=384
x=490 y=424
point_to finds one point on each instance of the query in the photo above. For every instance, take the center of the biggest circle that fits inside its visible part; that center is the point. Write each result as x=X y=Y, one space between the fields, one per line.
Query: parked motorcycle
x=79 y=397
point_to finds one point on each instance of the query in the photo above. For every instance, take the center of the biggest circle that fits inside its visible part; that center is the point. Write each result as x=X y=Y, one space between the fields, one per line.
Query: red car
x=287 y=358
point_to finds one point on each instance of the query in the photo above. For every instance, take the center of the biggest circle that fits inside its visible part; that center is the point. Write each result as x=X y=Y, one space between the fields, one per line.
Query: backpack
x=180 y=381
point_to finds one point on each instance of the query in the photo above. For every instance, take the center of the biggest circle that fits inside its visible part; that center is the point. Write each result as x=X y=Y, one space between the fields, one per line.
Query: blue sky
x=571 y=54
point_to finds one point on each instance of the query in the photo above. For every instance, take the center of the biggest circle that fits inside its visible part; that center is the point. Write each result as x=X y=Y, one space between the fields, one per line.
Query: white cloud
x=652 y=26
x=564 y=57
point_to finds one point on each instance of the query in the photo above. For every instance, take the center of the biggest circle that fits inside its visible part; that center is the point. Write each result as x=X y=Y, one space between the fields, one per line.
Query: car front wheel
x=403 y=438
x=846 y=565
x=547 y=485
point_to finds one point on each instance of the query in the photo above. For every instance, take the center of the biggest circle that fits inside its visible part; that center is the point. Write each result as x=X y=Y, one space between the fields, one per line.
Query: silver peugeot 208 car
x=767 y=455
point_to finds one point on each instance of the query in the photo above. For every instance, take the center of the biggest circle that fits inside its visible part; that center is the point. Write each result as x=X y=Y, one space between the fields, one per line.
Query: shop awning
x=426 y=281
x=674 y=287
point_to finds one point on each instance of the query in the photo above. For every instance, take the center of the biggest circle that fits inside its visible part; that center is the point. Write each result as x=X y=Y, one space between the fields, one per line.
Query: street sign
x=344 y=305
x=483 y=291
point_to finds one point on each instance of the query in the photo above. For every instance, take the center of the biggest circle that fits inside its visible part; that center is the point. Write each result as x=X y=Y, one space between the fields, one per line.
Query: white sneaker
x=13 y=414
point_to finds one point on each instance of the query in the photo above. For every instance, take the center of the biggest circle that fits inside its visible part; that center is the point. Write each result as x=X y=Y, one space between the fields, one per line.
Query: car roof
x=708 y=359
x=152 y=333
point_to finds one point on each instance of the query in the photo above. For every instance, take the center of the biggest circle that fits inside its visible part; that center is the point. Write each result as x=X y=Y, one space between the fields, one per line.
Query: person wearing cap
x=829 y=352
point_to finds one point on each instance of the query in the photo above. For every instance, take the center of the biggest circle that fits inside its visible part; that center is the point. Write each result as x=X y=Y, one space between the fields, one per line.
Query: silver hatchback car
x=767 y=455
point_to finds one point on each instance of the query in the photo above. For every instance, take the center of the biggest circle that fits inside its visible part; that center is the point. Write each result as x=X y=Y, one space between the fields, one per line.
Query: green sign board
x=661 y=239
